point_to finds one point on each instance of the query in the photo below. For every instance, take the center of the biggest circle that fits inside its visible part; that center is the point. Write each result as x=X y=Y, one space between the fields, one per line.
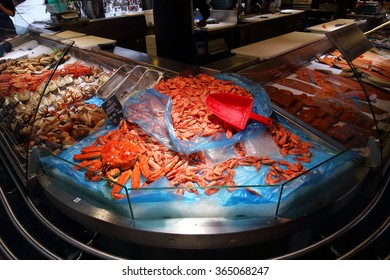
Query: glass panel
x=166 y=201
x=68 y=109
x=323 y=185
x=30 y=15
x=326 y=95
x=133 y=169
x=379 y=78
x=48 y=102
x=333 y=104
x=87 y=185
x=118 y=181
x=25 y=67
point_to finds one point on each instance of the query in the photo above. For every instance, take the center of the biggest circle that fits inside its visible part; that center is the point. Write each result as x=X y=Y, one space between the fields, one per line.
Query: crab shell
x=119 y=154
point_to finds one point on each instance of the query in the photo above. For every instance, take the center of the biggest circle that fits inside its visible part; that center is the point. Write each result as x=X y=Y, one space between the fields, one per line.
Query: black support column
x=174 y=30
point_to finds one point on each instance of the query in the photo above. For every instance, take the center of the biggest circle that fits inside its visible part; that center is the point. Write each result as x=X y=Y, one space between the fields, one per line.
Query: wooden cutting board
x=331 y=25
x=217 y=26
x=279 y=45
x=90 y=41
x=67 y=34
x=59 y=36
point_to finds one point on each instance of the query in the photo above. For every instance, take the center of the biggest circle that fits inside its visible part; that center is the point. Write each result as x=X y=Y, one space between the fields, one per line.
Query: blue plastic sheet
x=163 y=191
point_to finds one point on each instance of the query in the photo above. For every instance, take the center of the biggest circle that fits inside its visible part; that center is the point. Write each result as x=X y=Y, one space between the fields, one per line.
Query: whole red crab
x=118 y=160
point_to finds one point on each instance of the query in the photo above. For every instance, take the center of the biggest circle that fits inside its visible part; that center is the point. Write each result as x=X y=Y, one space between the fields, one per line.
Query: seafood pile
x=26 y=73
x=330 y=103
x=58 y=129
x=189 y=114
x=62 y=116
x=380 y=40
x=26 y=65
x=128 y=152
x=373 y=68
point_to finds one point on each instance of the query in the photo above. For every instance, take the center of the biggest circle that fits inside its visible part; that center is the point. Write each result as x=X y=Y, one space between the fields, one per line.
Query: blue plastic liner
x=163 y=190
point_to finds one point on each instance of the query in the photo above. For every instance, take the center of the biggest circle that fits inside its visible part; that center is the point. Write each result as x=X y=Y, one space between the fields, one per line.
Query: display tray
x=258 y=179
x=332 y=101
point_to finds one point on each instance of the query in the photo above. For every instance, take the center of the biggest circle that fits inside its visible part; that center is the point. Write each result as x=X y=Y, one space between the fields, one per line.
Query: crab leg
x=86 y=163
x=91 y=148
x=90 y=152
x=143 y=166
x=136 y=176
x=154 y=176
x=92 y=155
x=122 y=180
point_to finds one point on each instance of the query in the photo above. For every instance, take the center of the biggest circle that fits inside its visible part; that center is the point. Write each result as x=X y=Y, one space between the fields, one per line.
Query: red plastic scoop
x=234 y=109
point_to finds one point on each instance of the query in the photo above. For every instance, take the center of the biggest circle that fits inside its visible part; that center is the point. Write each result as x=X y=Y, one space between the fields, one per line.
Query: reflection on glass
x=223 y=4
x=120 y=7
x=250 y=7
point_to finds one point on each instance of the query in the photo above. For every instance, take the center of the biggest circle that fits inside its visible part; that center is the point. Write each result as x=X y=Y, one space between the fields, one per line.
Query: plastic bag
x=151 y=111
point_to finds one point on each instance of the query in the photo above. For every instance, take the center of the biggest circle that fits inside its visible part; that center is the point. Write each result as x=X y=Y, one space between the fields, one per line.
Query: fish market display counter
x=131 y=152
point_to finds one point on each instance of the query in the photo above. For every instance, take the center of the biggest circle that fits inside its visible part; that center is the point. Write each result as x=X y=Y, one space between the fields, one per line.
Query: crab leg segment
x=122 y=180
x=91 y=155
x=154 y=176
x=136 y=176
